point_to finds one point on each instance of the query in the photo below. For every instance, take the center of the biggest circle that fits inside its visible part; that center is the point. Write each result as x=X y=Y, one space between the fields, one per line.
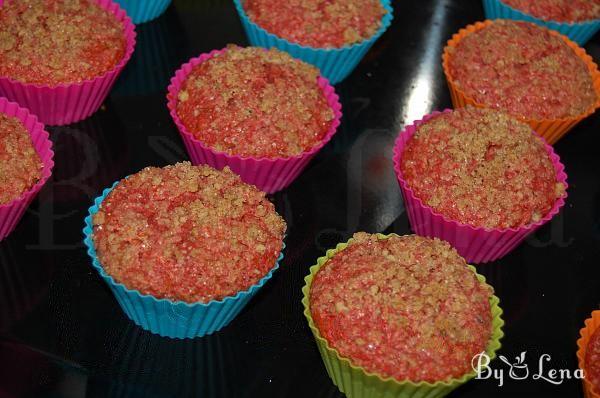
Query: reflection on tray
x=146 y=365
x=188 y=5
x=514 y=297
x=156 y=57
x=22 y=284
x=22 y=364
x=91 y=157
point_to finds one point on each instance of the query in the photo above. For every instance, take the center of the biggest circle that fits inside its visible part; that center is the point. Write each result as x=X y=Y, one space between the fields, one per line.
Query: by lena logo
x=519 y=370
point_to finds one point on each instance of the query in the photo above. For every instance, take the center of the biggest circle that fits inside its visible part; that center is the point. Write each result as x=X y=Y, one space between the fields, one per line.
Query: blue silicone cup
x=141 y=11
x=175 y=319
x=579 y=32
x=335 y=63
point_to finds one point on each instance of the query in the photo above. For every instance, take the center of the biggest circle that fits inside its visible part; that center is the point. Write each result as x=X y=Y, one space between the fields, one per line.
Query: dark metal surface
x=62 y=333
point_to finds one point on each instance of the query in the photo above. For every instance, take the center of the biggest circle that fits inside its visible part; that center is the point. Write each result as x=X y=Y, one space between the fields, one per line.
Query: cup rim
x=386 y=21
x=492 y=347
x=129 y=34
x=25 y=118
x=579 y=52
x=559 y=168
x=91 y=251
x=183 y=72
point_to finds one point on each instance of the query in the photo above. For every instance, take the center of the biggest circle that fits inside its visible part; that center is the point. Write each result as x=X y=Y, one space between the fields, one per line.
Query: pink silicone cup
x=69 y=103
x=11 y=213
x=476 y=244
x=269 y=175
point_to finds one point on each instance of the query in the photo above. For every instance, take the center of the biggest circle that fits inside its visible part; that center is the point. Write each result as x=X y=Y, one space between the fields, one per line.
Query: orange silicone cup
x=591 y=325
x=551 y=129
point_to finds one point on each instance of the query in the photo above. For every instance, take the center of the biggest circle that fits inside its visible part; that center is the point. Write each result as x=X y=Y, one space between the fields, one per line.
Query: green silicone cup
x=356 y=382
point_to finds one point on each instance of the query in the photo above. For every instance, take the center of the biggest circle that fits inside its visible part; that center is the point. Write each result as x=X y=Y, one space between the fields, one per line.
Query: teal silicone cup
x=335 y=63
x=579 y=32
x=141 y=11
x=167 y=318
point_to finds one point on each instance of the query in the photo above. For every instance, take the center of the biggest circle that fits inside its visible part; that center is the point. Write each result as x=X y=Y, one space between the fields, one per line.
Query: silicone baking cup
x=591 y=325
x=167 y=318
x=551 y=129
x=356 y=382
x=579 y=32
x=269 y=175
x=69 y=103
x=476 y=244
x=141 y=11
x=335 y=63
x=11 y=213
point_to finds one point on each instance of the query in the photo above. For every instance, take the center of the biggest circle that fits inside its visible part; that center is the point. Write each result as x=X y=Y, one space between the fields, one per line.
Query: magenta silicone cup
x=11 y=213
x=69 y=103
x=269 y=175
x=476 y=244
